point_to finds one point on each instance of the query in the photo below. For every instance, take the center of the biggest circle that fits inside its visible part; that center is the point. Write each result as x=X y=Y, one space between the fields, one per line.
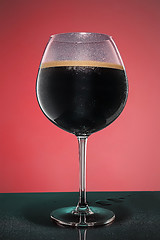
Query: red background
x=38 y=156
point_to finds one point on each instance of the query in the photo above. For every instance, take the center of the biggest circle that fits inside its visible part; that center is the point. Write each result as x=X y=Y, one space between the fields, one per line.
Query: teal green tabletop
x=26 y=216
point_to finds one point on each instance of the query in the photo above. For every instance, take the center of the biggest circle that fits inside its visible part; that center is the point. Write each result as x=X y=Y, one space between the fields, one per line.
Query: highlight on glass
x=82 y=88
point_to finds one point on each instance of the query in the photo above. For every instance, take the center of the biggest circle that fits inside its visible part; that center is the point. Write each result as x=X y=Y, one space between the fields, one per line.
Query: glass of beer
x=82 y=88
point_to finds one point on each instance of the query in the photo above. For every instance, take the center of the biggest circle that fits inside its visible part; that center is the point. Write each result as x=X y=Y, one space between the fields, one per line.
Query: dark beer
x=81 y=97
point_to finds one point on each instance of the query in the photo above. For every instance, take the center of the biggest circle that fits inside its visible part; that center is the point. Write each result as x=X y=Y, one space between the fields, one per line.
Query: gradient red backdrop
x=38 y=156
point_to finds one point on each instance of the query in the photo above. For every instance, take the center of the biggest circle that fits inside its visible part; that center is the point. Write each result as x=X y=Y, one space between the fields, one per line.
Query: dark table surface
x=25 y=216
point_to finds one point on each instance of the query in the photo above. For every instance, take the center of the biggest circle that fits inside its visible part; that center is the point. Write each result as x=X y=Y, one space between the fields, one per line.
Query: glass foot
x=69 y=217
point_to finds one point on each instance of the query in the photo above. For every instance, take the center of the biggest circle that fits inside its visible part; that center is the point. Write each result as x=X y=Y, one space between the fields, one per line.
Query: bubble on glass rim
x=80 y=37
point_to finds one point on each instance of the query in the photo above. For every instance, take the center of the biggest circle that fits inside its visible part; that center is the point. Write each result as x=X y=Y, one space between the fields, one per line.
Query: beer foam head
x=81 y=63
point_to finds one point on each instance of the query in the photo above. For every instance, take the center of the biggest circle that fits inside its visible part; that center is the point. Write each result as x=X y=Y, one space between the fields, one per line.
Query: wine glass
x=82 y=87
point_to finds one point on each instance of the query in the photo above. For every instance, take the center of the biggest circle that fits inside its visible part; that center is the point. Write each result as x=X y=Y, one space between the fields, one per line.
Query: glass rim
x=99 y=37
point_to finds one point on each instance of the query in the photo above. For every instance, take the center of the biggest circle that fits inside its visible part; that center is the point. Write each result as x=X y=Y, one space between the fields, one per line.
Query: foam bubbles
x=74 y=64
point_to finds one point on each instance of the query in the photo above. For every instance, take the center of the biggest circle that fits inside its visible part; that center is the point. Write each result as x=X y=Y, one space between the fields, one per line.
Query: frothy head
x=81 y=63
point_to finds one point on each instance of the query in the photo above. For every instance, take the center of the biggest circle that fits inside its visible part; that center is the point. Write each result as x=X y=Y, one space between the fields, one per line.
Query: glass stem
x=82 y=234
x=82 y=141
